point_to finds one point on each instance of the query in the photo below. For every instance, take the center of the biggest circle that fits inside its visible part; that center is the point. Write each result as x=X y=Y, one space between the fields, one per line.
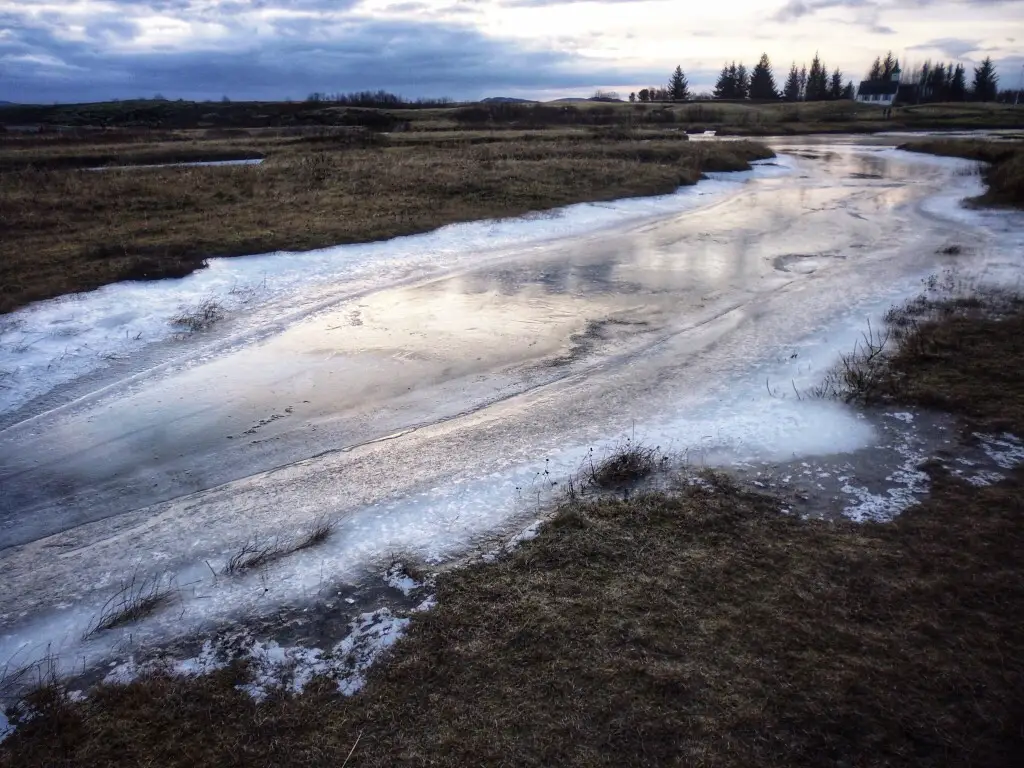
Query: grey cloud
x=953 y=47
x=417 y=59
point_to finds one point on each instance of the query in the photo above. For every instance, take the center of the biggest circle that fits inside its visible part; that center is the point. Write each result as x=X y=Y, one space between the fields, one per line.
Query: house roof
x=878 y=88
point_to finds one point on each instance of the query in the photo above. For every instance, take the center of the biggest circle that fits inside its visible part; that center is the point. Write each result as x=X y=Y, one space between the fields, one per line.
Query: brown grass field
x=68 y=229
x=702 y=627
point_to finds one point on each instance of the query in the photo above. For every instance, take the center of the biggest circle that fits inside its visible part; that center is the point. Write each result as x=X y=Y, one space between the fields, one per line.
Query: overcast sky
x=87 y=50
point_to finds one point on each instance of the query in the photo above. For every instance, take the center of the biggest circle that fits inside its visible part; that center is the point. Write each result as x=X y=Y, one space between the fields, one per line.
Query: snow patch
x=6 y=729
x=1006 y=451
x=287 y=669
x=397 y=578
x=910 y=484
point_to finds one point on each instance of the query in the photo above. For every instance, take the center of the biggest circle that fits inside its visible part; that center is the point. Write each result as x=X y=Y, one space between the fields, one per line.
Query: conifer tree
x=875 y=73
x=985 y=81
x=678 y=88
x=742 y=82
x=817 y=81
x=849 y=92
x=835 y=88
x=803 y=82
x=725 y=88
x=762 y=81
x=792 y=90
x=958 y=85
x=889 y=65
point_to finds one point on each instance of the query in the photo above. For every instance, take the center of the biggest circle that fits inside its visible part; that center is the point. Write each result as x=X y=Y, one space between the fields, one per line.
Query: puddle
x=196 y=164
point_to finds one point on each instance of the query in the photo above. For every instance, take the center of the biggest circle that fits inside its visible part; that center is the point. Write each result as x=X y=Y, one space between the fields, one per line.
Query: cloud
x=952 y=47
x=298 y=56
x=796 y=9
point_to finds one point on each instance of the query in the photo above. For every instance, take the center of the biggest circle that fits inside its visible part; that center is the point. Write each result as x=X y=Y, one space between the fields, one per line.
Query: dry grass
x=199 y=317
x=137 y=598
x=255 y=553
x=623 y=467
x=67 y=231
x=1004 y=175
x=961 y=353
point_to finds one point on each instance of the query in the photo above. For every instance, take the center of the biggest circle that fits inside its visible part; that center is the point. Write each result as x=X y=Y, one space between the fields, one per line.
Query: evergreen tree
x=889 y=65
x=817 y=81
x=875 y=73
x=742 y=82
x=985 y=81
x=762 y=81
x=958 y=85
x=849 y=92
x=803 y=82
x=632 y=97
x=792 y=90
x=725 y=88
x=835 y=88
x=678 y=88
x=644 y=95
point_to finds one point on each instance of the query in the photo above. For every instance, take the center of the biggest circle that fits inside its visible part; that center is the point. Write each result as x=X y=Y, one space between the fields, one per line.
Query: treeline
x=376 y=99
x=935 y=82
x=736 y=82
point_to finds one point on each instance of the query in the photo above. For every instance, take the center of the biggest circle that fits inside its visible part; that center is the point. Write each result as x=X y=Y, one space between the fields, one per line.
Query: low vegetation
x=255 y=553
x=74 y=230
x=704 y=626
x=1004 y=174
x=957 y=353
x=137 y=598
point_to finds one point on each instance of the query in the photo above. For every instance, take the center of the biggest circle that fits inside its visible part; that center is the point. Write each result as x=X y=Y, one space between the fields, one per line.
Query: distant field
x=69 y=229
x=745 y=117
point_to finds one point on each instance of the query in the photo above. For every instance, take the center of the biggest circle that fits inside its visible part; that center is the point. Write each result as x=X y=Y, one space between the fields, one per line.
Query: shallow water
x=433 y=407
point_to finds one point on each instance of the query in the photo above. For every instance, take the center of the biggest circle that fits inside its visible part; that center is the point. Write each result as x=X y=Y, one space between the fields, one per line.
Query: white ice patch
x=906 y=418
x=274 y=667
x=372 y=634
x=53 y=342
x=397 y=578
x=1006 y=451
x=529 y=533
x=910 y=483
x=6 y=729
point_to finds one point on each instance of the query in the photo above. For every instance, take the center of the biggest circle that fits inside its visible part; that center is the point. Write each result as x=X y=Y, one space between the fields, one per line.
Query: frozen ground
x=428 y=392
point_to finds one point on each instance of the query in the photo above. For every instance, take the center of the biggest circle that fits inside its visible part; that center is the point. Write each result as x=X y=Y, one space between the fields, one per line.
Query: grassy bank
x=705 y=627
x=1004 y=174
x=73 y=230
x=741 y=117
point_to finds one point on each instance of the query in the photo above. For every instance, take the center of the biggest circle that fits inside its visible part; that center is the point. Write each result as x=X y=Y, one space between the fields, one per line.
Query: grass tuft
x=625 y=466
x=199 y=317
x=137 y=598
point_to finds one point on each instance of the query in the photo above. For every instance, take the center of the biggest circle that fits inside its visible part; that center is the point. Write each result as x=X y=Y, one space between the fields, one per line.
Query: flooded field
x=433 y=392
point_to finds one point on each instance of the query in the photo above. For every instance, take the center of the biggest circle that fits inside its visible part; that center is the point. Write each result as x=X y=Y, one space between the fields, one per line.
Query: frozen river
x=417 y=391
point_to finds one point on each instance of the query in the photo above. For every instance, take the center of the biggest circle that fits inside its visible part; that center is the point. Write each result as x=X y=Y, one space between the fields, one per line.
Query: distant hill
x=5 y=102
x=506 y=100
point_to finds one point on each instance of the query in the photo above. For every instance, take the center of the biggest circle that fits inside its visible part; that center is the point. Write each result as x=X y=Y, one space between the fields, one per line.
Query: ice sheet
x=53 y=342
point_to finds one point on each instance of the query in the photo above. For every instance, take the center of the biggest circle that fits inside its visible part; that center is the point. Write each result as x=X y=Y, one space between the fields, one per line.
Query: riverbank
x=704 y=624
x=1004 y=174
x=69 y=230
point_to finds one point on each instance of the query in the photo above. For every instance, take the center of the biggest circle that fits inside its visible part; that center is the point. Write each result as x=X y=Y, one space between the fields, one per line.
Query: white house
x=881 y=93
